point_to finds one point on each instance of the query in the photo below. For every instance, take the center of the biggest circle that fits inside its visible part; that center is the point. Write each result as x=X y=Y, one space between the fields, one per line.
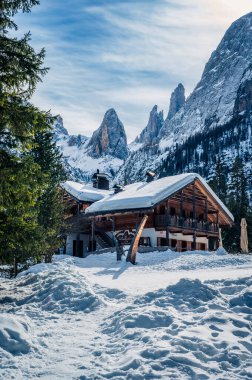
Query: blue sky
x=125 y=54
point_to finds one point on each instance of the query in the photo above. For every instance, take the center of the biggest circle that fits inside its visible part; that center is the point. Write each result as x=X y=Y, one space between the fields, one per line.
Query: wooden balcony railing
x=176 y=221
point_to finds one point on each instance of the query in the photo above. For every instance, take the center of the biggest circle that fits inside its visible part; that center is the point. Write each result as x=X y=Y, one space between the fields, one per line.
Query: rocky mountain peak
x=212 y=102
x=110 y=138
x=59 y=128
x=177 y=100
x=149 y=134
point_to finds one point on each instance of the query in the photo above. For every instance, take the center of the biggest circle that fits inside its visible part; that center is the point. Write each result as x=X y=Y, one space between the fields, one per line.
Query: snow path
x=172 y=316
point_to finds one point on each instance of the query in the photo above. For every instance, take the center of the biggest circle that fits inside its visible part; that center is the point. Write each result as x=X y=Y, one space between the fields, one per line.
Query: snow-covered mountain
x=214 y=120
x=220 y=102
x=177 y=101
x=105 y=150
x=212 y=102
x=150 y=133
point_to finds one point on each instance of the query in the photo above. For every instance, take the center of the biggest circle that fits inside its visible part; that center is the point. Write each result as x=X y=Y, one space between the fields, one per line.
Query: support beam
x=194 y=206
x=167 y=210
x=92 y=235
x=113 y=230
x=194 y=242
x=181 y=209
x=167 y=236
x=206 y=210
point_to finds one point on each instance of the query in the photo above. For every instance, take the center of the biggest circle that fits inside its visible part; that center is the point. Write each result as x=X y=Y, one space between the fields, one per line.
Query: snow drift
x=57 y=290
x=14 y=335
x=190 y=330
x=172 y=316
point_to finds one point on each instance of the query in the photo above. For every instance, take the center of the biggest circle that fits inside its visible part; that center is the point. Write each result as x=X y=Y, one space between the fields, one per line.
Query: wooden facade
x=188 y=219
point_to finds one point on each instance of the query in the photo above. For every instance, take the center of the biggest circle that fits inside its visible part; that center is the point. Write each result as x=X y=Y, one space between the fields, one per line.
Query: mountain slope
x=222 y=99
x=212 y=102
x=150 y=133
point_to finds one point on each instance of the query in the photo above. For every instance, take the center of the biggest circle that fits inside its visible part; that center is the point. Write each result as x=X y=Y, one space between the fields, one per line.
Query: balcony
x=185 y=223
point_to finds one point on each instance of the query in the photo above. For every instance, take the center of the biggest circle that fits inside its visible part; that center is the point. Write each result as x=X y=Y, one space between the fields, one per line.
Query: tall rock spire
x=109 y=138
x=149 y=134
x=177 y=100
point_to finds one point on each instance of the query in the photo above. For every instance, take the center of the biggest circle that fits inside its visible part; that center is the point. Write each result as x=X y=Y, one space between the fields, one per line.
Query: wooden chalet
x=182 y=211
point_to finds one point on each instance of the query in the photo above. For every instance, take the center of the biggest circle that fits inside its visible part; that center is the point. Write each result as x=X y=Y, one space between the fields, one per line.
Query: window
x=145 y=241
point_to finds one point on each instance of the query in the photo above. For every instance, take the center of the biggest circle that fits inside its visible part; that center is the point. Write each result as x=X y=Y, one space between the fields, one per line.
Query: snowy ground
x=172 y=316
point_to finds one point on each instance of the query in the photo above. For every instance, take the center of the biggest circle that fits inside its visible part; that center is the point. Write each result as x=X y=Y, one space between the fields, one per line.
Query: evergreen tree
x=219 y=180
x=19 y=193
x=27 y=186
x=51 y=210
x=238 y=204
x=238 y=190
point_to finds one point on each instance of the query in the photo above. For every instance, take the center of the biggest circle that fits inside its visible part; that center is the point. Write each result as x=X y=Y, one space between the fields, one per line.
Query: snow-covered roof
x=84 y=192
x=142 y=195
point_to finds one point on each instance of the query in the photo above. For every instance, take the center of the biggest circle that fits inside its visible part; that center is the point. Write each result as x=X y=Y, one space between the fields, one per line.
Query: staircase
x=103 y=239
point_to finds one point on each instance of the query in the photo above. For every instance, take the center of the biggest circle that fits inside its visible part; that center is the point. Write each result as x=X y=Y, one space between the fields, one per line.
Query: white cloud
x=131 y=65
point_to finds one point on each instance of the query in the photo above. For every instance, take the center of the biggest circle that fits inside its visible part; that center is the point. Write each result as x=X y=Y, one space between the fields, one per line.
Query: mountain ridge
x=221 y=99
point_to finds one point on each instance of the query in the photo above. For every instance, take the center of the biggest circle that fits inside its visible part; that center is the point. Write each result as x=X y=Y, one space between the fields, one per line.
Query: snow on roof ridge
x=84 y=192
x=146 y=194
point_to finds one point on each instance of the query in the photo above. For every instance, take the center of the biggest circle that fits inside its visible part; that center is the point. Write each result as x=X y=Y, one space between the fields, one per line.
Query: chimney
x=150 y=176
x=117 y=189
x=95 y=179
x=103 y=181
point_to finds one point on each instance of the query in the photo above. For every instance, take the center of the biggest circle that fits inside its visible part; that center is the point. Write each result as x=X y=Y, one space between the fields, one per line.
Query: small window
x=144 y=241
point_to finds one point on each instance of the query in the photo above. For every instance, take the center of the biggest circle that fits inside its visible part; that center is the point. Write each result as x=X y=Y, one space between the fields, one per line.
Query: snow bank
x=189 y=294
x=96 y=318
x=190 y=260
x=59 y=289
x=190 y=330
x=15 y=335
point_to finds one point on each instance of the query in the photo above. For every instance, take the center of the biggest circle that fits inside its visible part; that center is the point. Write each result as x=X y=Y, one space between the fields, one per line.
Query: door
x=74 y=247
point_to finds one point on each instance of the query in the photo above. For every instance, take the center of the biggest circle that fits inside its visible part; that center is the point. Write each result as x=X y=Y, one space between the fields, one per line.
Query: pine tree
x=19 y=193
x=219 y=180
x=238 y=190
x=27 y=187
x=238 y=204
x=50 y=217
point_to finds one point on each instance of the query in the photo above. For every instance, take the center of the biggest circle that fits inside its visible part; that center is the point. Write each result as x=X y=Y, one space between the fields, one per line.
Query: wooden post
x=194 y=207
x=206 y=214
x=217 y=222
x=92 y=235
x=167 y=223
x=194 y=241
x=181 y=209
x=113 y=229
